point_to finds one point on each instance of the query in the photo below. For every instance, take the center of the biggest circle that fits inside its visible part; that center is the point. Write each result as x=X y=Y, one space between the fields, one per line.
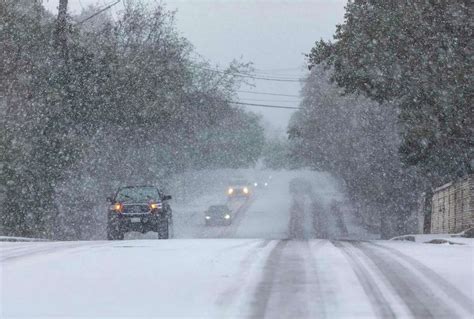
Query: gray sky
x=273 y=34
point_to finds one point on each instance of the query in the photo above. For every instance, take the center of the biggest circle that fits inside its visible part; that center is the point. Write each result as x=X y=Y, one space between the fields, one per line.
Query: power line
x=265 y=100
x=277 y=74
x=266 y=105
x=281 y=69
x=256 y=77
x=266 y=93
x=259 y=72
x=99 y=12
x=295 y=77
x=269 y=79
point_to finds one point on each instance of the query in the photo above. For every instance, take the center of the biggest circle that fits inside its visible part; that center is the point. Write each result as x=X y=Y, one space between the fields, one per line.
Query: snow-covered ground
x=146 y=278
x=225 y=278
x=248 y=270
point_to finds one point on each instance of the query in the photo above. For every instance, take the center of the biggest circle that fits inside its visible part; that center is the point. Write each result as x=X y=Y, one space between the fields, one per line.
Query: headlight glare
x=117 y=207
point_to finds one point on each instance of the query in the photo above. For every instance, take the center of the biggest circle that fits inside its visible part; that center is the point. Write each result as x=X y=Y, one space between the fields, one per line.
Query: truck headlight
x=227 y=216
x=230 y=191
x=246 y=190
x=208 y=217
x=155 y=206
x=117 y=207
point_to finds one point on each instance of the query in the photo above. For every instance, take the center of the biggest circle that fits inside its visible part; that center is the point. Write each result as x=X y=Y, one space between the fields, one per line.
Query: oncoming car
x=261 y=184
x=139 y=208
x=238 y=189
x=218 y=215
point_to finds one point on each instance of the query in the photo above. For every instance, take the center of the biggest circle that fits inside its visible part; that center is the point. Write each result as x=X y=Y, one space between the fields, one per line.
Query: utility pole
x=61 y=29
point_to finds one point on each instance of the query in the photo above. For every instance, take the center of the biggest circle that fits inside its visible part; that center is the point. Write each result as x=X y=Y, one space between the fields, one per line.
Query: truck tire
x=163 y=229
x=170 y=229
x=114 y=234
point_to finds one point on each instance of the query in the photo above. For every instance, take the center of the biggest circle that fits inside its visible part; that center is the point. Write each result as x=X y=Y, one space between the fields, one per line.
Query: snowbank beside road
x=447 y=239
x=451 y=263
x=24 y=239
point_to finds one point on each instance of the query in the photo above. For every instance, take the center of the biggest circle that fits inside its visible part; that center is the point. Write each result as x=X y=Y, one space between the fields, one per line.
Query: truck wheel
x=163 y=230
x=114 y=234
x=171 y=229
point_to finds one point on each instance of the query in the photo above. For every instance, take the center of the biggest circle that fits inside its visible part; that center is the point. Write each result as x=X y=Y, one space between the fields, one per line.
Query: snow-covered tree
x=120 y=101
x=357 y=140
x=417 y=55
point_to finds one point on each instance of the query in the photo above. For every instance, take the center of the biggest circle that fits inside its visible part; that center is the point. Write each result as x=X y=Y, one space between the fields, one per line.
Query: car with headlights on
x=141 y=209
x=260 y=184
x=238 y=189
x=218 y=215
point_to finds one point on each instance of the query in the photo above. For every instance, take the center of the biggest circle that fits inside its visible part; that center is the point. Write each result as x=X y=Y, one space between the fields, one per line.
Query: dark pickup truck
x=141 y=209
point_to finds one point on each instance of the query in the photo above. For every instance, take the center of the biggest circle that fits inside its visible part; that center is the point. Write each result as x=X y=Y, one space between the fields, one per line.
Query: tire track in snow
x=456 y=295
x=380 y=305
x=229 y=296
x=241 y=212
x=264 y=288
x=416 y=295
x=290 y=285
x=297 y=213
x=316 y=291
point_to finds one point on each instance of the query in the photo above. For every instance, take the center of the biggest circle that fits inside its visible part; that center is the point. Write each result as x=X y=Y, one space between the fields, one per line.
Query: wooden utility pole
x=61 y=29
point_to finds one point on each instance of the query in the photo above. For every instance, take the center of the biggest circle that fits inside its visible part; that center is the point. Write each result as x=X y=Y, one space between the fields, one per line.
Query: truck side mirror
x=167 y=197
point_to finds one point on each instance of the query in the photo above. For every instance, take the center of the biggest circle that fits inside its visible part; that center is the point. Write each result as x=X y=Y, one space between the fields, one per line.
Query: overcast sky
x=274 y=35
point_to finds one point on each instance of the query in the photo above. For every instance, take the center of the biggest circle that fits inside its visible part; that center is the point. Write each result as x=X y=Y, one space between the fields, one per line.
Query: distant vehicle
x=238 y=189
x=218 y=215
x=139 y=208
x=260 y=184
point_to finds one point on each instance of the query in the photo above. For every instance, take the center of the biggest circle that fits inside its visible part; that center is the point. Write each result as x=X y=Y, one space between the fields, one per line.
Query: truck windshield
x=218 y=209
x=137 y=194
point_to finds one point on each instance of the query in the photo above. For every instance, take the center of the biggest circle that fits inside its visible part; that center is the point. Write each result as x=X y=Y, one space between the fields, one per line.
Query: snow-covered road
x=268 y=268
x=217 y=278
